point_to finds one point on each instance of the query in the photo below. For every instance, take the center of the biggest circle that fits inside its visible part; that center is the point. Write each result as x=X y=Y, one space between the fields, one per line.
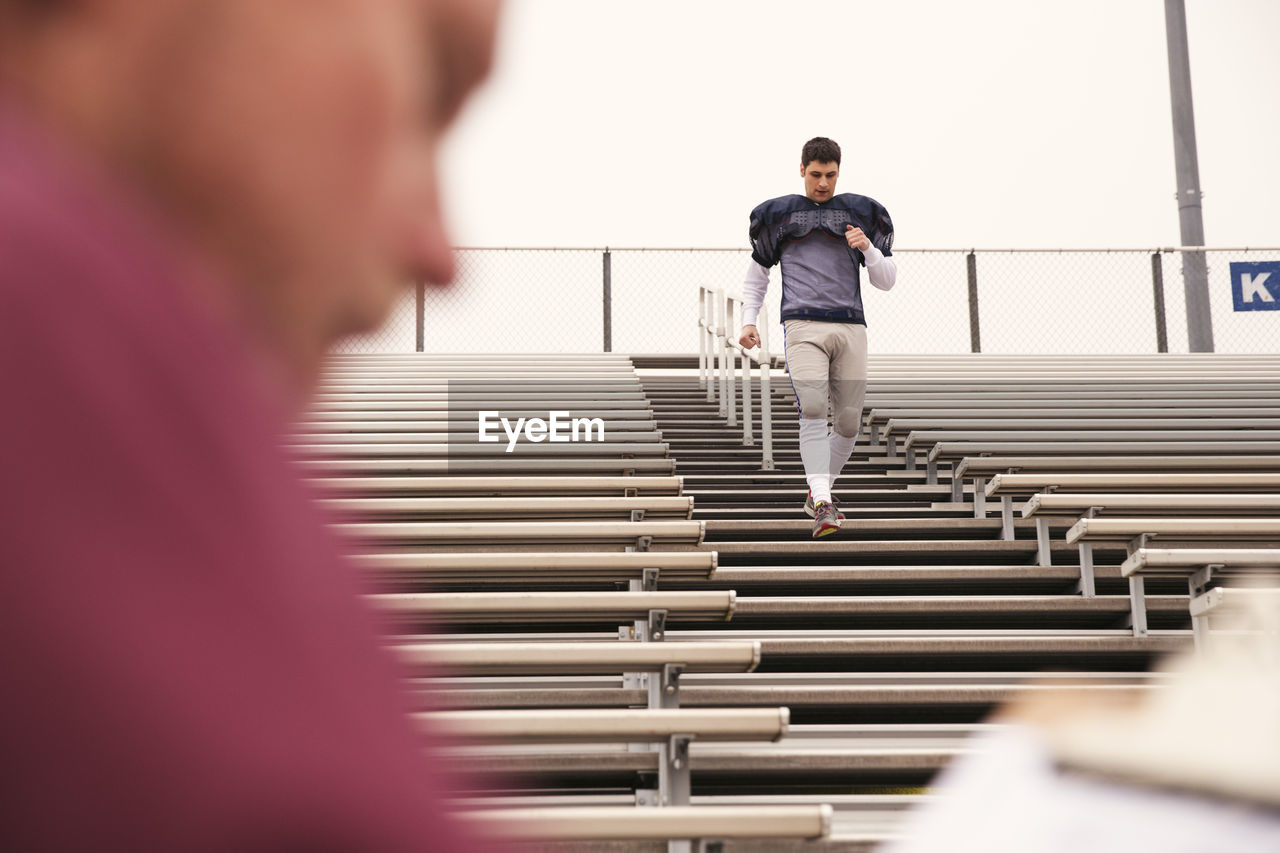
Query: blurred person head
x=820 y=168
x=290 y=144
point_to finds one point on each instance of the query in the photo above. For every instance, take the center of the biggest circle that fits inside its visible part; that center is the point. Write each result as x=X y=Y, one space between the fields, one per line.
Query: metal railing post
x=608 y=300
x=975 y=335
x=419 y=315
x=766 y=399
x=721 y=355
x=708 y=306
x=702 y=337
x=1157 y=285
x=748 y=438
x=731 y=380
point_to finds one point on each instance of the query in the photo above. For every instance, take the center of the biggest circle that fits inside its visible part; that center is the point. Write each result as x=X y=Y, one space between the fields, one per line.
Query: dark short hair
x=821 y=149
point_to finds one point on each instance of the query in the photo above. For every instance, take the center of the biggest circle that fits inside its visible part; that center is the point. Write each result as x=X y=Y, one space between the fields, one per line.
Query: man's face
x=297 y=142
x=820 y=180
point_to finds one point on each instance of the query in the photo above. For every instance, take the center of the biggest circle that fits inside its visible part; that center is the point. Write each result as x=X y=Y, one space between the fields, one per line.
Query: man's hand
x=750 y=338
x=857 y=240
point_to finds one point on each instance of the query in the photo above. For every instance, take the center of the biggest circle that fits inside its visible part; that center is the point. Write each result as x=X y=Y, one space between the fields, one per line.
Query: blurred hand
x=750 y=337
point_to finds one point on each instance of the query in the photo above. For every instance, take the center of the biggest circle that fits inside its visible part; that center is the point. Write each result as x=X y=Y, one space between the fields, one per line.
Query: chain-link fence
x=945 y=301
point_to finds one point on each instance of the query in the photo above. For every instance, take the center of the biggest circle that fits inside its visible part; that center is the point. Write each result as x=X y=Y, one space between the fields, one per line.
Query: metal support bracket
x=657 y=625
x=1138 y=604
x=1006 y=518
x=673 y=770
x=1044 y=553
x=664 y=689
x=637 y=515
x=1086 y=586
x=643 y=543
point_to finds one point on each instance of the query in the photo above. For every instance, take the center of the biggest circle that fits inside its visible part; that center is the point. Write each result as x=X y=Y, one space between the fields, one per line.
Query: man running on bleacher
x=821 y=239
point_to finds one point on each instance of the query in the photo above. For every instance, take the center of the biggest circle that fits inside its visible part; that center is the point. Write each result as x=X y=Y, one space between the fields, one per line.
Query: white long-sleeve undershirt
x=882 y=272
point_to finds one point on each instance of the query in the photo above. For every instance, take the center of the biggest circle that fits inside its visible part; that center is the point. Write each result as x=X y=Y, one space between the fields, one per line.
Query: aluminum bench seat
x=549 y=566
x=1222 y=598
x=516 y=535
x=1183 y=455
x=886 y=694
x=462 y=432
x=912 y=647
x=513 y=508
x=609 y=725
x=499 y=658
x=527 y=486
x=1022 y=485
x=1180 y=562
x=979 y=467
x=1174 y=439
x=1199 y=566
x=454 y=428
x=516 y=466
x=606 y=823
x=835 y=760
x=1075 y=504
x=495 y=454
x=396 y=405
x=1225 y=531
x=1006 y=487
x=523 y=607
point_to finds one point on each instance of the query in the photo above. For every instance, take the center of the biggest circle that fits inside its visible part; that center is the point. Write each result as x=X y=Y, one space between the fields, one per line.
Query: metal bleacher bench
x=609 y=725
x=944 y=445
x=1008 y=487
x=1199 y=566
x=518 y=466
x=501 y=486
x=556 y=607
x=628 y=823
x=522 y=535
x=979 y=462
x=508 y=658
x=514 y=509
x=1136 y=533
x=956 y=428
x=1041 y=507
x=539 y=566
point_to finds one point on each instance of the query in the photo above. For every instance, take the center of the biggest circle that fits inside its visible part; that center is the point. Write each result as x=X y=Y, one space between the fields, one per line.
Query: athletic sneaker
x=825 y=519
x=809 y=508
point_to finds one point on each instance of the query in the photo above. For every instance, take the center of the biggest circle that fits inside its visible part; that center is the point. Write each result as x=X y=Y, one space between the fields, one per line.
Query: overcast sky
x=991 y=123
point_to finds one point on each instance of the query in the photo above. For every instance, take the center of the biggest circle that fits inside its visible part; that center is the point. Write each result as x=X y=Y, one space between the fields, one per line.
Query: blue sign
x=1256 y=286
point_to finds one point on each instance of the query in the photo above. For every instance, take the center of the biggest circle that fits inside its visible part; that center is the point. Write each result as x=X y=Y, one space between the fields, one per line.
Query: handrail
x=719 y=315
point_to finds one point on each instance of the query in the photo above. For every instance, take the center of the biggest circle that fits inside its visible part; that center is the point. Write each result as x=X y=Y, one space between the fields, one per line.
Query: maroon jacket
x=184 y=660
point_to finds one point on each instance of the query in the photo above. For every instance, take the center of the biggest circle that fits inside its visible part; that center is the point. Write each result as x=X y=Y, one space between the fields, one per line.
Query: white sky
x=992 y=123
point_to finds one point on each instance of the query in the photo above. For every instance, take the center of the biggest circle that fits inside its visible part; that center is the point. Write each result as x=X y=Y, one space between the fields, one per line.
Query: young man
x=821 y=240
x=196 y=199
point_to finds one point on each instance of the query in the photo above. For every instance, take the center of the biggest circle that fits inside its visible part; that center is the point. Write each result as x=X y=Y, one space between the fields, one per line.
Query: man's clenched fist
x=750 y=337
x=857 y=240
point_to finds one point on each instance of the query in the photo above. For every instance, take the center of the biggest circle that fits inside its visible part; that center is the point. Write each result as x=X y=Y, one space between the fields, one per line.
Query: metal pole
x=730 y=312
x=608 y=301
x=702 y=337
x=419 y=318
x=975 y=335
x=747 y=438
x=1195 y=274
x=709 y=307
x=722 y=356
x=1157 y=285
x=766 y=395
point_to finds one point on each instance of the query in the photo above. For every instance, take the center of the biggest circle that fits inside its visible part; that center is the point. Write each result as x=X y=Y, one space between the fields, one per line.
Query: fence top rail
x=956 y=250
